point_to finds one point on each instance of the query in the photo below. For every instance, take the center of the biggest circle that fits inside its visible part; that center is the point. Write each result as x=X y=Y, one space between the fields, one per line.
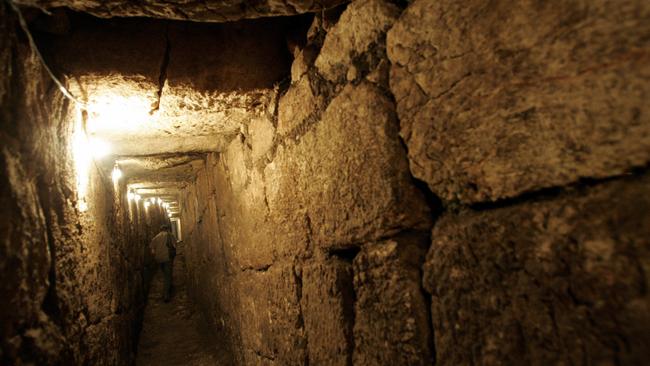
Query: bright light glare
x=98 y=148
x=82 y=160
x=112 y=112
x=137 y=197
x=159 y=200
x=117 y=174
x=130 y=196
x=146 y=204
x=83 y=205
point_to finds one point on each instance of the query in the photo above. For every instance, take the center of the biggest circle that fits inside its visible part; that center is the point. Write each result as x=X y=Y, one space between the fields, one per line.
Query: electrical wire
x=34 y=47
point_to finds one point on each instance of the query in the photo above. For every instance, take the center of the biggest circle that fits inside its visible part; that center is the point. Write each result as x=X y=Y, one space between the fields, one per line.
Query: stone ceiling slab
x=159 y=87
x=204 y=11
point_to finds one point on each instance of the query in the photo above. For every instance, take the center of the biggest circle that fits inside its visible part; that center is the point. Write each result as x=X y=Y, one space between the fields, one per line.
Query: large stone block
x=547 y=282
x=348 y=175
x=204 y=11
x=363 y=24
x=501 y=99
x=327 y=307
x=296 y=105
x=391 y=316
x=271 y=326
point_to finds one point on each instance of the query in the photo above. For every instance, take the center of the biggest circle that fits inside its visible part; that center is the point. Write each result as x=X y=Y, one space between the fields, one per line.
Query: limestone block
x=270 y=319
x=327 y=306
x=347 y=175
x=262 y=133
x=391 y=315
x=553 y=281
x=204 y=11
x=502 y=99
x=299 y=102
x=362 y=24
x=302 y=62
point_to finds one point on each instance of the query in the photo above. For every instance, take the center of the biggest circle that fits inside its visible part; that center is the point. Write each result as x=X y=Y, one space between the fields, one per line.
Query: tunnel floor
x=173 y=333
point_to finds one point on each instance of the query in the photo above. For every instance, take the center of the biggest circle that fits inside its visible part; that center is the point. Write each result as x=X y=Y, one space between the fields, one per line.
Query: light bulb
x=117 y=174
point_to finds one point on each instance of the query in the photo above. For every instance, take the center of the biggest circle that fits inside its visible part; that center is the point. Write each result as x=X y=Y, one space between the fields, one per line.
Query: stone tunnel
x=374 y=182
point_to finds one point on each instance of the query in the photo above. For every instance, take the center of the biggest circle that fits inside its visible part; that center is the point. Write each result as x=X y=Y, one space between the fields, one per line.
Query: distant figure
x=163 y=249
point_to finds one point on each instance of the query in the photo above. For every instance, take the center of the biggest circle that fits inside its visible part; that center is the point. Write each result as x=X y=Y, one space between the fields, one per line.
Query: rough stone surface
x=206 y=11
x=72 y=289
x=552 y=281
x=507 y=98
x=351 y=176
x=390 y=309
x=327 y=304
x=157 y=87
x=363 y=24
x=296 y=105
x=305 y=233
x=275 y=220
x=262 y=135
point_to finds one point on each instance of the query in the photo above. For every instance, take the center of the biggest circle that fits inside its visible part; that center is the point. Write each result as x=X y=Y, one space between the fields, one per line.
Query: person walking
x=163 y=249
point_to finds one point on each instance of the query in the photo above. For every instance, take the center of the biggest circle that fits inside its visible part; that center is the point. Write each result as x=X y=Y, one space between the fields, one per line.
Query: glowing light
x=98 y=148
x=146 y=204
x=117 y=174
x=159 y=201
x=114 y=112
x=137 y=197
x=83 y=205
x=169 y=215
x=82 y=161
x=130 y=196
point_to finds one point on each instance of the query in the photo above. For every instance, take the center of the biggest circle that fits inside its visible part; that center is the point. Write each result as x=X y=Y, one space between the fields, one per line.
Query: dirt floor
x=173 y=333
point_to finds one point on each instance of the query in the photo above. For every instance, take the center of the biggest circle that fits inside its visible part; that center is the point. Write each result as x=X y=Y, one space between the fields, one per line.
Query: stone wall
x=72 y=288
x=530 y=122
x=306 y=239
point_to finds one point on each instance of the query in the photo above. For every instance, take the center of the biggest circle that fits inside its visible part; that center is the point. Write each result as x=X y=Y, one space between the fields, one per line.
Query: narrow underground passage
x=372 y=182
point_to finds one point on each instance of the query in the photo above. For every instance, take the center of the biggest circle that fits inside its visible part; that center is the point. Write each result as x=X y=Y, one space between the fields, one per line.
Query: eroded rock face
x=390 y=309
x=327 y=305
x=72 y=288
x=558 y=280
x=501 y=99
x=363 y=24
x=351 y=176
x=206 y=11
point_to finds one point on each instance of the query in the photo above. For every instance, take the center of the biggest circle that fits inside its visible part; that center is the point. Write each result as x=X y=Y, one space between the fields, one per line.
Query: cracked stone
x=498 y=100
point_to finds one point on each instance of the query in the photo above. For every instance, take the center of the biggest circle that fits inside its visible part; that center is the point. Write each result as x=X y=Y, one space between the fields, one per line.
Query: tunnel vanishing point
x=369 y=182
